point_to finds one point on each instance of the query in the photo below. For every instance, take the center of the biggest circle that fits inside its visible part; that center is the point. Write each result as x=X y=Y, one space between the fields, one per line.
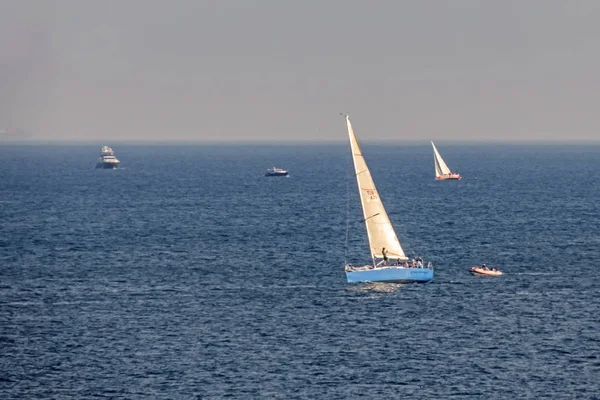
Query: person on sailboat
x=384 y=255
x=419 y=262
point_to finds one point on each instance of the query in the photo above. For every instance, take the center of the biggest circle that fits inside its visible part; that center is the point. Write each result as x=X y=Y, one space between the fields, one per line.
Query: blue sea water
x=187 y=274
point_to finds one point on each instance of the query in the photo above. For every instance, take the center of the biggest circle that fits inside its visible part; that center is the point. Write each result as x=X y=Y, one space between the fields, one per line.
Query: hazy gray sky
x=254 y=70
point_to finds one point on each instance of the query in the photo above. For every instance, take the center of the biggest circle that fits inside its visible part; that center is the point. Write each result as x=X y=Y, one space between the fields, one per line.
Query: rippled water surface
x=186 y=274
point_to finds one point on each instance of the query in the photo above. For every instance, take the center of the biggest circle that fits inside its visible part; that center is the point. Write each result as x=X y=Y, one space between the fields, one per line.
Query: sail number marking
x=371 y=194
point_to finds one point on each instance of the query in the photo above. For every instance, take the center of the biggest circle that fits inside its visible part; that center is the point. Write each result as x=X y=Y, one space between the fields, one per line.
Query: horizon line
x=412 y=142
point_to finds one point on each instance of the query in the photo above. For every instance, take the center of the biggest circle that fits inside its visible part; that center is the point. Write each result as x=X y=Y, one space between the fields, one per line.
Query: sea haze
x=187 y=274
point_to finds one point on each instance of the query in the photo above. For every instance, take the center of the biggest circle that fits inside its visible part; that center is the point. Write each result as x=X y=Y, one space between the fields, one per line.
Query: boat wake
x=533 y=273
x=260 y=287
x=377 y=287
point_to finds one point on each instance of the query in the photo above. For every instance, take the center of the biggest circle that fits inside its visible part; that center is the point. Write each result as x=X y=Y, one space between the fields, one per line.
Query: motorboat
x=484 y=270
x=107 y=159
x=276 y=172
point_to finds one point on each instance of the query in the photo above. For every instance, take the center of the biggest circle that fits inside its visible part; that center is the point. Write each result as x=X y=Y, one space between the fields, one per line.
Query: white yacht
x=276 y=172
x=107 y=159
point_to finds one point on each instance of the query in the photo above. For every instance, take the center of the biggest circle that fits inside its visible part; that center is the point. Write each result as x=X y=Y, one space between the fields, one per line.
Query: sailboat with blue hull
x=389 y=263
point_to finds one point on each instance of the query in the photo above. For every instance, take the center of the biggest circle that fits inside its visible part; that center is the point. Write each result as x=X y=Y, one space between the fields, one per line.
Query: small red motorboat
x=484 y=270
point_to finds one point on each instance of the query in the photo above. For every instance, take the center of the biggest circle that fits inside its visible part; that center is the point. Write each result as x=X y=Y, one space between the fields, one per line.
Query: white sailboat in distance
x=442 y=172
x=389 y=263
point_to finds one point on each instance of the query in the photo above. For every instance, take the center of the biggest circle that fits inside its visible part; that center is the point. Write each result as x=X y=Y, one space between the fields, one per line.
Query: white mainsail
x=379 y=228
x=440 y=166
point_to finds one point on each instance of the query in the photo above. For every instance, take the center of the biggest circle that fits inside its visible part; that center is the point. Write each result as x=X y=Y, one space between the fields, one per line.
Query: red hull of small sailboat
x=455 y=177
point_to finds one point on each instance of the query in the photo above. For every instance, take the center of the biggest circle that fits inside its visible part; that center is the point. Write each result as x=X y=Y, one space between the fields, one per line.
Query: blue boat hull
x=392 y=274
